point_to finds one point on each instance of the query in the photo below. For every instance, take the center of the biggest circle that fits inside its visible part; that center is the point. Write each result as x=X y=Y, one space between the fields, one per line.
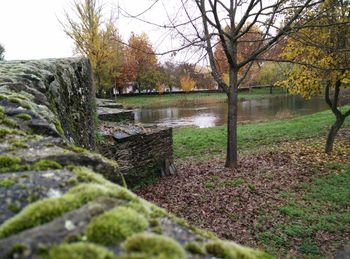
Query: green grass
x=198 y=143
x=322 y=206
x=170 y=100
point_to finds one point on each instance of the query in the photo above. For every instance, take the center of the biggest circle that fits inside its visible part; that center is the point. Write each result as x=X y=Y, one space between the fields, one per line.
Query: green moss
x=140 y=207
x=76 y=149
x=18 y=143
x=199 y=231
x=46 y=210
x=43 y=165
x=7 y=182
x=195 y=248
x=4 y=132
x=21 y=97
x=146 y=245
x=10 y=164
x=157 y=230
x=13 y=207
x=79 y=250
x=24 y=116
x=7 y=131
x=116 y=225
x=59 y=127
x=9 y=122
x=26 y=105
x=14 y=100
x=229 y=250
x=84 y=174
x=2 y=109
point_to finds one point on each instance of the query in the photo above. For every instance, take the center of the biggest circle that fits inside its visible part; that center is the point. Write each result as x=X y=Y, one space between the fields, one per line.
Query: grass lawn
x=170 y=100
x=316 y=215
x=199 y=143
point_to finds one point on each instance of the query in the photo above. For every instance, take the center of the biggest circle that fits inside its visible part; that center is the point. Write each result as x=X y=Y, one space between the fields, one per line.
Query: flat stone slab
x=106 y=103
x=115 y=115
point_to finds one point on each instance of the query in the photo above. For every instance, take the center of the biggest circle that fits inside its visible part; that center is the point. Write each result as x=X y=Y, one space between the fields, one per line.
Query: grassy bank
x=197 y=143
x=191 y=98
x=315 y=215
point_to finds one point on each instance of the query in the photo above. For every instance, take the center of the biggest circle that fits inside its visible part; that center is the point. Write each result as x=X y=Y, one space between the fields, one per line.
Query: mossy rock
x=115 y=226
x=46 y=210
x=147 y=245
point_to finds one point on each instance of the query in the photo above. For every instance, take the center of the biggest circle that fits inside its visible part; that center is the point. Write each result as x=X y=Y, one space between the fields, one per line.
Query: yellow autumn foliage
x=322 y=52
x=187 y=83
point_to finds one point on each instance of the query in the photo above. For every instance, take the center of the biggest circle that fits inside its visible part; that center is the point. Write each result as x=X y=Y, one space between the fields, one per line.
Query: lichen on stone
x=115 y=226
x=146 y=245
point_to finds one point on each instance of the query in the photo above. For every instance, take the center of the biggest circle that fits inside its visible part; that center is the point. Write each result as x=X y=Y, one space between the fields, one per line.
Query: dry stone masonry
x=59 y=200
x=143 y=152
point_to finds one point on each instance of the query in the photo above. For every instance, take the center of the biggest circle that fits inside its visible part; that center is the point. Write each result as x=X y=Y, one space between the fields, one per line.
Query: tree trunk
x=270 y=89
x=332 y=133
x=340 y=118
x=231 y=155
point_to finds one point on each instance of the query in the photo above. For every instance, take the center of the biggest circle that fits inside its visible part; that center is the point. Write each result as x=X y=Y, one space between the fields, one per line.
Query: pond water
x=203 y=116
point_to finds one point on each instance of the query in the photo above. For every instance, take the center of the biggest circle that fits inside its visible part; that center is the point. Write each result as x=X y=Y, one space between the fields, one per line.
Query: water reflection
x=276 y=107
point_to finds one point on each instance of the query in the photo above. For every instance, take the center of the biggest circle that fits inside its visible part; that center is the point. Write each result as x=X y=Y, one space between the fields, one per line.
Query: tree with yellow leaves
x=321 y=54
x=187 y=83
x=95 y=39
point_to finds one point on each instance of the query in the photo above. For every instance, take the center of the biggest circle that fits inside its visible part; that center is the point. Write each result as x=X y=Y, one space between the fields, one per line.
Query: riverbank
x=287 y=196
x=195 y=143
x=182 y=100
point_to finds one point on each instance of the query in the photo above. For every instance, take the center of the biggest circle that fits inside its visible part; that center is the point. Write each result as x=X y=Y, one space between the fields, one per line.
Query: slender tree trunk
x=340 y=118
x=333 y=132
x=231 y=155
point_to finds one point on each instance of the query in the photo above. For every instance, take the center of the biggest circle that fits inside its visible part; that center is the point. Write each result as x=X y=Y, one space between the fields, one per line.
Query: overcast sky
x=29 y=29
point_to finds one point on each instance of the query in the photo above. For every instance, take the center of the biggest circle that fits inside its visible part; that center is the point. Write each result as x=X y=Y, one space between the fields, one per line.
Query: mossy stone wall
x=55 y=200
x=61 y=92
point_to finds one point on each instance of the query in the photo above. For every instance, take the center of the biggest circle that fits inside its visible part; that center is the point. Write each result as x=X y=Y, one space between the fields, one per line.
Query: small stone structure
x=114 y=115
x=142 y=152
x=58 y=200
x=107 y=103
x=108 y=110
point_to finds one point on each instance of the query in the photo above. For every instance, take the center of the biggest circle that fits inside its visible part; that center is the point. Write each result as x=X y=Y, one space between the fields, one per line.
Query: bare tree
x=227 y=22
x=206 y=24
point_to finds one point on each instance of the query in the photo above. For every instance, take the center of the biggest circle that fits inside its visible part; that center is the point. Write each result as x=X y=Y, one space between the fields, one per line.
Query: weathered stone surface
x=54 y=199
x=142 y=152
x=59 y=91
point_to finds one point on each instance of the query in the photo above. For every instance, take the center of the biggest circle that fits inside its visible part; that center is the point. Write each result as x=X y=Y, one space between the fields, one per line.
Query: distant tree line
x=135 y=64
